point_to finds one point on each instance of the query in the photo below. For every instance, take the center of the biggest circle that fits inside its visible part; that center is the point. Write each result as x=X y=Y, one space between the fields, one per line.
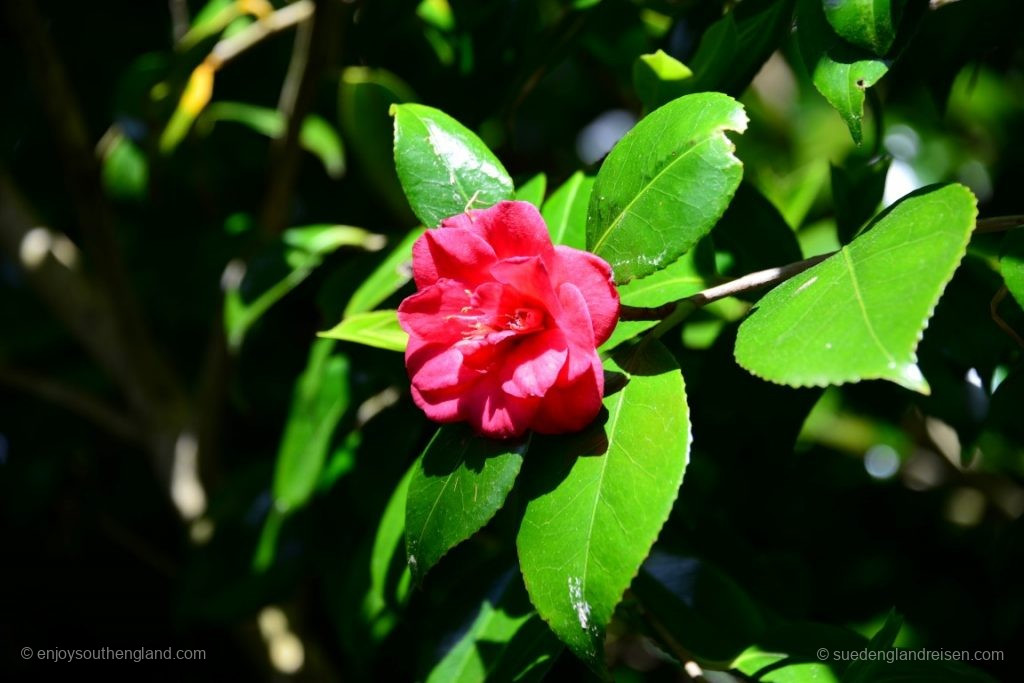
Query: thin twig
x=747 y=283
x=771 y=276
x=75 y=400
x=289 y=15
x=993 y=308
x=179 y=18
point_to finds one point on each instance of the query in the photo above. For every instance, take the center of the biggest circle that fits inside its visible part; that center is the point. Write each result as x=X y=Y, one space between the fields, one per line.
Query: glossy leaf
x=506 y=642
x=860 y=313
x=658 y=78
x=443 y=166
x=870 y=24
x=840 y=71
x=390 y=579
x=643 y=212
x=318 y=402
x=364 y=98
x=460 y=482
x=857 y=191
x=1012 y=264
x=379 y=329
x=600 y=497
x=390 y=276
x=533 y=190
x=565 y=211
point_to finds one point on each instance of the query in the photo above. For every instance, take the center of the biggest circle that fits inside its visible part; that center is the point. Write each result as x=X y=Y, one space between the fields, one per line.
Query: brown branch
x=998 y=224
x=289 y=15
x=993 y=308
x=747 y=283
x=310 y=60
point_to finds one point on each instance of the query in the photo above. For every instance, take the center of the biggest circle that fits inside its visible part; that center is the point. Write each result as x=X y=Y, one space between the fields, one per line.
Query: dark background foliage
x=777 y=498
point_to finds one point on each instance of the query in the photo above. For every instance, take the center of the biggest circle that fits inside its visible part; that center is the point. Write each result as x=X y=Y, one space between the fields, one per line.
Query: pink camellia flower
x=504 y=328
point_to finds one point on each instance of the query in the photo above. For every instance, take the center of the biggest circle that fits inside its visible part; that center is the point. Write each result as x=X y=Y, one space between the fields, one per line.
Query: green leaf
x=644 y=209
x=318 y=402
x=860 y=313
x=691 y=273
x=840 y=71
x=302 y=250
x=734 y=48
x=125 y=169
x=389 y=576
x=774 y=667
x=658 y=78
x=443 y=166
x=1012 y=264
x=379 y=329
x=870 y=24
x=600 y=497
x=506 y=642
x=364 y=97
x=390 y=276
x=565 y=211
x=316 y=136
x=533 y=190
x=856 y=192
x=460 y=482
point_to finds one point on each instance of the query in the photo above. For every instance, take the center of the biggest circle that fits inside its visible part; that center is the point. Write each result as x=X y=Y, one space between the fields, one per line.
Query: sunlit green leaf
x=389 y=576
x=1012 y=264
x=506 y=642
x=375 y=328
x=460 y=482
x=860 y=313
x=658 y=78
x=565 y=211
x=870 y=24
x=443 y=166
x=533 y=190
x=840 y=71
x=643 y=212
x=393 y=272
x=599 y=498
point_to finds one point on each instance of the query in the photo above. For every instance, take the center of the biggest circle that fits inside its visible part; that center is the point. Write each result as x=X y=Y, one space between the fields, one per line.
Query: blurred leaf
x=841 y=72
x=214 y=16
x=443 y=166
x=773 y=667
x=702 y=609
x=857 y=192
x=376 y=328
x=860 y=313
x=506 y=642
x=642 y=216
x=317 y=136
x=305 y=248
x=870 y=24
x=600 y=497
x=734 y=48
x=460 y=482
x=658 y=79
x=320 y=398
x=125 y=168
x=194 y=99
x=1011 y=264
x=565 y=211
x=364 y=98
x=533 y=190
x=390 y=276
x=389 y=575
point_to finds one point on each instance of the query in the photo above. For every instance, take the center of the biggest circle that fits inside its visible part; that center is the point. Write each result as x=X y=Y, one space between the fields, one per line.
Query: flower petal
x=535 y=362
x=430 y=314
x=496 y=414
x=579 y=332
x=457 y=254
x=593 y=276
x=571 y=407
x=528 y=276
x=511 y=228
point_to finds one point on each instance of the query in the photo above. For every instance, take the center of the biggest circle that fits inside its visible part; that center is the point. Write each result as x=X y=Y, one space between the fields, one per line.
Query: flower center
x=478 y=324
